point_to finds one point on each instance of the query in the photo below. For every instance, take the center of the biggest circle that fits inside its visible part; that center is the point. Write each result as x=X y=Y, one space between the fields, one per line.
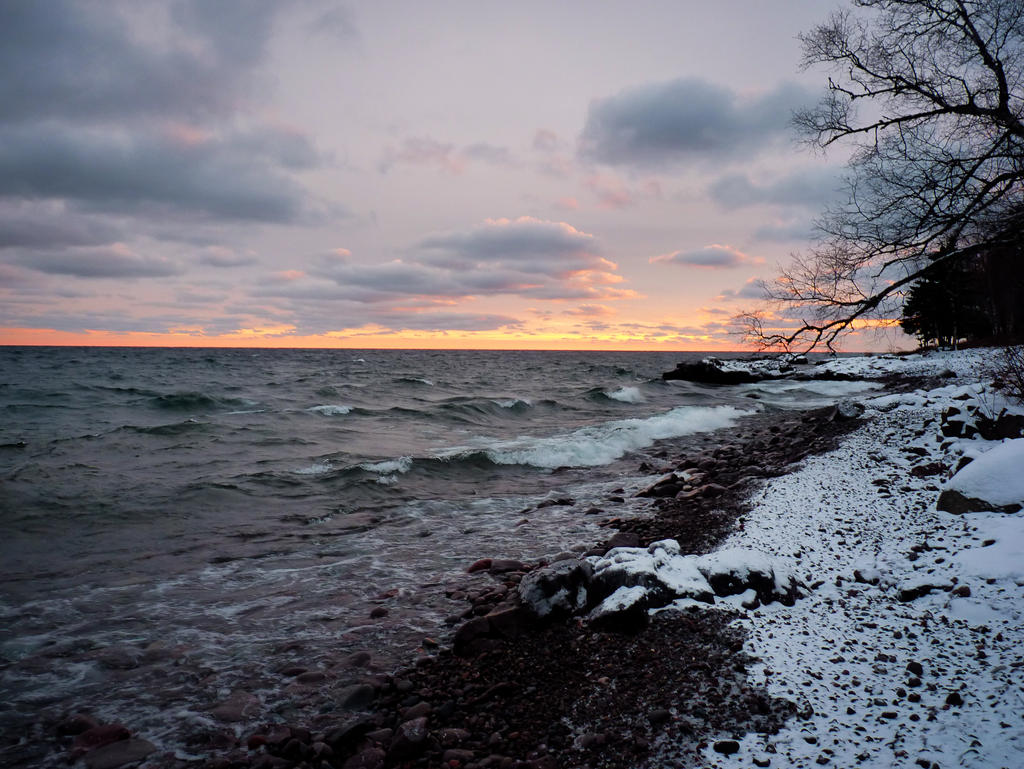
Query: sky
x=560 y=175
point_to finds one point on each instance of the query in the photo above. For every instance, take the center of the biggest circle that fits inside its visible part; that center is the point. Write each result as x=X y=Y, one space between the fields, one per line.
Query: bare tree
x=929 y=95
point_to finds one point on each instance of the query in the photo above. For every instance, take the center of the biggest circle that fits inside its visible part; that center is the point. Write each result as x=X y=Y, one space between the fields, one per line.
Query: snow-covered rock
x=994 y=481
x=560 y=588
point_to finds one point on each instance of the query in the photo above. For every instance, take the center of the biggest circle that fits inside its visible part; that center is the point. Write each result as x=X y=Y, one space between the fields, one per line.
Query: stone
x=482 y=565
x=667 y=486
x=560 y=588
x=356 y=696
x=952 y=501
x=659 y=716
x=451 y=737
x=410 y=740
x=726 y=747
x=237 y=707
x=357 y=660
x=508 y=621
x=369 y=758
x=624 y=539
x=624 y=610
x=709 y=371
x=468 y=633
x=76 y=724
x=505 y=565
x=954 y=699
x=418 y=710
x=848 y=409
x=119 y=753
x=915 y=667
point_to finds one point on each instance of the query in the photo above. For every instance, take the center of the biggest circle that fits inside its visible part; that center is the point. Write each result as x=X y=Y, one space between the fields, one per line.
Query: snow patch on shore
x=909 y=650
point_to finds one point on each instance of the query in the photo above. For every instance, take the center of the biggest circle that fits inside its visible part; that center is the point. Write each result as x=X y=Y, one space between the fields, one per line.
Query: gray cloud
x=812 y=188
x=50 y=225
x=536 y=245
x=523 y=257
x=65 y=59
x=138 y=112
x=102 y=262
x=219 y=256
x=127 y=173
x=686 y=119
x=752 y=289
x=714 y=256
x=786 y=231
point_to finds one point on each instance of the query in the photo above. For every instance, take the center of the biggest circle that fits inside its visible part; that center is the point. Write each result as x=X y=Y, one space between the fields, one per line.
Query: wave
x=517 y=404
x=330 y=410
x=194 y=401
x=603 y=444
x=174 y=428
x=412 y=380
x=389 y=466
x=317 y=468
x=626 y=395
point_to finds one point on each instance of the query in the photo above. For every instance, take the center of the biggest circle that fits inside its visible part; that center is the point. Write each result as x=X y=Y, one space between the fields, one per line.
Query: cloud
x=221 y=256
x=688 y=119
x=129 y=172
x=714 y=256
x=140 y=114
x=524 y=257
x=590 y=311
x=812 y=188
x=488 y=153
x=116 y=261
x=49 y=224
x=529 y=244
x=786 y=231
x=752 y=289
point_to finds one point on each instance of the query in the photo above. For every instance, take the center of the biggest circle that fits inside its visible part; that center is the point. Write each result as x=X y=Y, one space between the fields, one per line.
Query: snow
x=665 y=574
x=841 y=653
x=997 y=476
x=1003 y=559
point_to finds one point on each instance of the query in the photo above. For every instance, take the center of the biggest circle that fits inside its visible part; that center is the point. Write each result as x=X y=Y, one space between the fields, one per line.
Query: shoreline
x=503 y=702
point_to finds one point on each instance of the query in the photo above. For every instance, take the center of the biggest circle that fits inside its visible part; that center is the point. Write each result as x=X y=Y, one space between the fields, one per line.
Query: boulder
x=710 y=371
x=992 y=482
x=668 y=486
x=953 y=501
x=623 y=610
x=560 y=588
x=848 y=409
x=410 y=740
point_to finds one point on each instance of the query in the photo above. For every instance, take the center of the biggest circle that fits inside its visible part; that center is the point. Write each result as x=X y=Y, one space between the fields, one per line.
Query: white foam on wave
x=330 y=410
x=317 y=468
x=389 y=466
x=602 y=444
x=511 y=403
x=627 y=395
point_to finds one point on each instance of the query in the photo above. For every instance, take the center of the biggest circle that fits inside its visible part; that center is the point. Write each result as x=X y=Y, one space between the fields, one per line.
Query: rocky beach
x=791 y=596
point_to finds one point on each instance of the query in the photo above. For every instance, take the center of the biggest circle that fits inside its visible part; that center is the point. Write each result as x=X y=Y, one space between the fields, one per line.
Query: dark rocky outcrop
x=952 y=501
